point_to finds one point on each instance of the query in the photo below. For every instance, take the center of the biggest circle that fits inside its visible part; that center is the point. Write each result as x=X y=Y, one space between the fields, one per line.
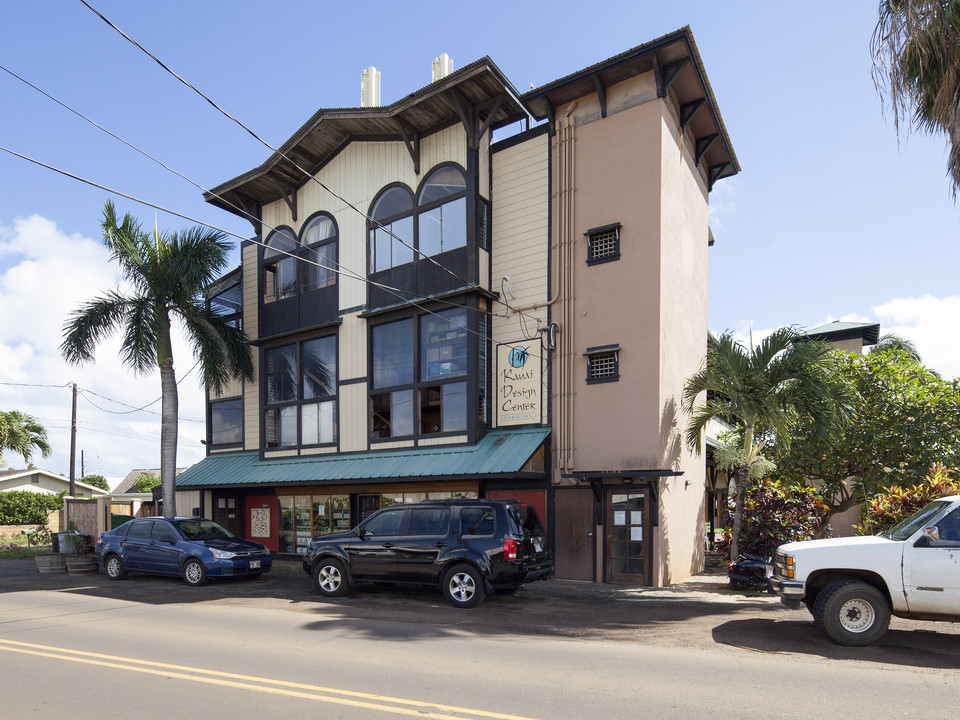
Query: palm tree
x=167 y=273
x=916 y=50
x=891 y=342
x=22 y=434
x=756 y=391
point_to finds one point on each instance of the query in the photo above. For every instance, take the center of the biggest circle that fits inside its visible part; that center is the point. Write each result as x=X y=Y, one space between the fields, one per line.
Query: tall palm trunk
x=168 y=437
x=742 y=478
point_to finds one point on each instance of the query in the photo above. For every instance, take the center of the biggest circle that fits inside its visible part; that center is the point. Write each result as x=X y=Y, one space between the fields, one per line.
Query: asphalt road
x=153 y=647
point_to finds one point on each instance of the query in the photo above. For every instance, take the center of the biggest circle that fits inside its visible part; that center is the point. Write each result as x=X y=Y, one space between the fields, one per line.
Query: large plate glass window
x=300 y=393
x=226 y=422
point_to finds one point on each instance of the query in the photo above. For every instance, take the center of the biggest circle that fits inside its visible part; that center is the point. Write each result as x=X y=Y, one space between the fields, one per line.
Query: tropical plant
x=776 y=513
x=890 y=342
x=916 y=50
x=146 y=483
x=167 y=273
x=22 y=434
x=758 y=391
x=98 y=481
x=903 y=420
x=897 y=503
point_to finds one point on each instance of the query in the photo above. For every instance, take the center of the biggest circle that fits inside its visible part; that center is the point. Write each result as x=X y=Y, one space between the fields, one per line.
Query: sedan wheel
x=330 y=578
x=463 y=586
x=194 y=573
x=114 y=568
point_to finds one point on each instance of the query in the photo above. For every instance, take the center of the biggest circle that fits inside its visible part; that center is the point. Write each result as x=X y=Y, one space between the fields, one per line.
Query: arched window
x=318 y=237
x=442 y=211
x=280 y=268
x=392 y=212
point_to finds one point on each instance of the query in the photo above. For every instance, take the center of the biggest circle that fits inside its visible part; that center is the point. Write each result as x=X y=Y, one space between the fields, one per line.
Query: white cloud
x=46 y=274
x=932 y=324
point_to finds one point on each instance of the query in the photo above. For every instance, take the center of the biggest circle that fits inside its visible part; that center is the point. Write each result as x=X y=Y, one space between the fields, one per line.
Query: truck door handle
x=388 y=545
x=440 y=544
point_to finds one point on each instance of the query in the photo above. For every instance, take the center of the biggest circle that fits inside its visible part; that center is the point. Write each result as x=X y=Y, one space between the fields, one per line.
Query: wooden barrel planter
x=81 y=565
x=51 y=563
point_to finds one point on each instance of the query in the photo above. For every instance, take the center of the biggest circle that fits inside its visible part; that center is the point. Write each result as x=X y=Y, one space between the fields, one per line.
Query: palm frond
x=90 y=324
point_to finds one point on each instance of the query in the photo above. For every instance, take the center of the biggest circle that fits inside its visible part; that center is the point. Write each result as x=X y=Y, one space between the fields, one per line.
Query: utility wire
x=272 y=148
x=399 y=294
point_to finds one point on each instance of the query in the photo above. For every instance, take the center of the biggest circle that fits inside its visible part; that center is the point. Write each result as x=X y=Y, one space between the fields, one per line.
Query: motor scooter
x=750 y=571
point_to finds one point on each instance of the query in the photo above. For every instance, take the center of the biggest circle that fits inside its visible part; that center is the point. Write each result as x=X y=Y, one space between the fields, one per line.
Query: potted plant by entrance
x=50 y=562
x=81 y=561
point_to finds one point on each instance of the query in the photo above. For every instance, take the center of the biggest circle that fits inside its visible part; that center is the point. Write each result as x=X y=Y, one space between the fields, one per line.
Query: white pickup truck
x=853 y=585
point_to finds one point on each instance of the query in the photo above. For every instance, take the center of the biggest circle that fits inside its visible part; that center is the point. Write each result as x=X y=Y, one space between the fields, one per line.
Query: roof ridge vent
x=370 y=87
x=442 y=66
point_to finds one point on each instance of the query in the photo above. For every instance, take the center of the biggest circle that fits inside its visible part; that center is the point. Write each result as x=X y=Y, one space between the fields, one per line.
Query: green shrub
x=98 y=481
x=146 y=483
x=773 y=514
x=22 y=507
x=896 y=503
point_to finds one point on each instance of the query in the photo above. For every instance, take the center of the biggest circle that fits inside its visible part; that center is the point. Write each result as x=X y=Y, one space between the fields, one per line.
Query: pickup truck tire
x=852 y=613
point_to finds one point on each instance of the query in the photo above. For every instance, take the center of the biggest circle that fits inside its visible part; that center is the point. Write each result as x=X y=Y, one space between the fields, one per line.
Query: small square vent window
x=603 y=244
x=603 y=364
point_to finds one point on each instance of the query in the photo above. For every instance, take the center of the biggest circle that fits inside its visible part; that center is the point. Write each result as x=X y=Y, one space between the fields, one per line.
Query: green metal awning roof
x=499 y=452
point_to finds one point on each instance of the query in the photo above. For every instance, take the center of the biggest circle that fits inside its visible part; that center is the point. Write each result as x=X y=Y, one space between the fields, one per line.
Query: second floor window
x=300 y=393
x=418 y=383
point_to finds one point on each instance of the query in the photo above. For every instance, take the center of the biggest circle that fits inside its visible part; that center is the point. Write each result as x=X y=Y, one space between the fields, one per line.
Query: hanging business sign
x=519 y=383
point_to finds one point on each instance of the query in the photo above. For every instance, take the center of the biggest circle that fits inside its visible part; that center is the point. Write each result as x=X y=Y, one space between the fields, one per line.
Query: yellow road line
x=259 y=684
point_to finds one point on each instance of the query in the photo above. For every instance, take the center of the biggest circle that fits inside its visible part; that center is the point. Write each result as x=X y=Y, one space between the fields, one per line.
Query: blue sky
x=832 y=216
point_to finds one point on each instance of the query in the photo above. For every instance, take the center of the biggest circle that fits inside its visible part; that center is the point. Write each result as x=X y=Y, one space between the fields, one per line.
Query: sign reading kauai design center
x=519 y=383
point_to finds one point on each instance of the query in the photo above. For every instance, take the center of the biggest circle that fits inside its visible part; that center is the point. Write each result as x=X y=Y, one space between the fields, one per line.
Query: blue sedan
x=193 y=548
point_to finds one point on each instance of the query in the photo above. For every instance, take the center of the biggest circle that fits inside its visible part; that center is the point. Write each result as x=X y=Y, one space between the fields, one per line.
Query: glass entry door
x=627 y=552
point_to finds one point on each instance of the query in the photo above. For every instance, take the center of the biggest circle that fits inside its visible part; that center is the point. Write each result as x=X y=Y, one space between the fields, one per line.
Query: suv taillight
x=509 y=549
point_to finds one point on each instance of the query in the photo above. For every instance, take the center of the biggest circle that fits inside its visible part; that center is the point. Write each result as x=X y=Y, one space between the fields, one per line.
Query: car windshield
x=916 y=521
x=203 y=530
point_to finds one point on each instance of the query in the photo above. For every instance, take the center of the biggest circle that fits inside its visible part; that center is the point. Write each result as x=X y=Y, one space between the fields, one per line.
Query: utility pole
x=73 y=444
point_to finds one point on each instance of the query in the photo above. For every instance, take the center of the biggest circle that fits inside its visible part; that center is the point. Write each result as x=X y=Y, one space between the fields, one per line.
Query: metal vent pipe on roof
x=370 y=87
x=442 y=66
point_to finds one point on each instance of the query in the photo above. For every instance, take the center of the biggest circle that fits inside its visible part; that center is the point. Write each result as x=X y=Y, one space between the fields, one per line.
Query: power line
x=398 y=293
x=272 y=148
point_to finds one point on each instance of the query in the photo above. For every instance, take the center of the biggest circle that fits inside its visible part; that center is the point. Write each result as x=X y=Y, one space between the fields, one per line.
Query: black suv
x=467 y=547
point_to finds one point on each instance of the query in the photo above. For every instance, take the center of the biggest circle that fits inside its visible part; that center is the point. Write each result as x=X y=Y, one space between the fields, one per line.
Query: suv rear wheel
x=463 y=586
x=330 y=577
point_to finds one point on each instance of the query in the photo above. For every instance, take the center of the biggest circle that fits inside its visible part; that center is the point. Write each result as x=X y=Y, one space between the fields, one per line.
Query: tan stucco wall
x=630 y=168
x=683 y=337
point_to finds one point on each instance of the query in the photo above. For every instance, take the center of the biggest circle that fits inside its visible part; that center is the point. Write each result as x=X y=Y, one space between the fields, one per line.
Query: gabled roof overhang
x=478 y=95
x=675 y=62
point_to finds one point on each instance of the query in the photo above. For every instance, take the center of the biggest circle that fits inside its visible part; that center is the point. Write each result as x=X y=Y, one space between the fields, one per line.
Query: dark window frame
x=298 y=401
x=379 y=395
x=606 y=354
x=238 y=399
x=417 y=209
x=269 y=265
x=594 y=236
x=304 y=251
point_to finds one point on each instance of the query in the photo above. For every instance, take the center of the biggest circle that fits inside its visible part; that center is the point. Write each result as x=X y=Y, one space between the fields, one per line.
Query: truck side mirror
x=932 y=534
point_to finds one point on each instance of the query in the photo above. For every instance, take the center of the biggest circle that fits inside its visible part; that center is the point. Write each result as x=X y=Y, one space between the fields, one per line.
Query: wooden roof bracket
x=495 y=108
x=689 y=110
x=411 y=139
x=703 y=144
x=601 y=95
x=714 y=172
x=252 y=210
x=467 y=113
x=290 y=198
x=669 y=73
